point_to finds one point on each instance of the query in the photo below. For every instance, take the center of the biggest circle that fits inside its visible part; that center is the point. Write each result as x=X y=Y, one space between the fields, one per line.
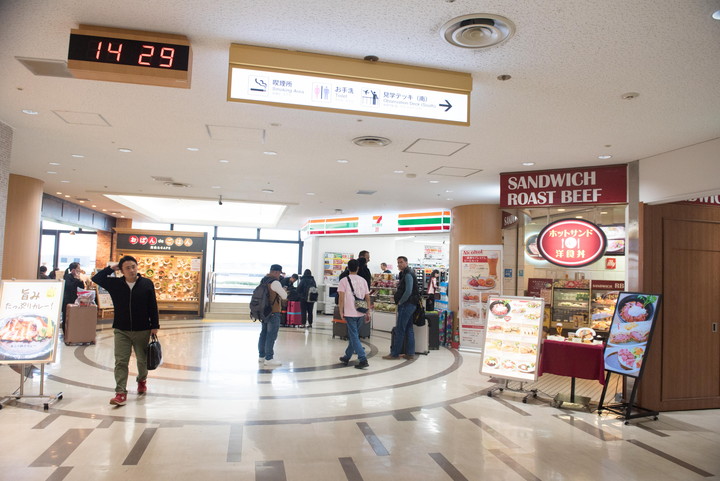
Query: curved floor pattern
x=214 y=411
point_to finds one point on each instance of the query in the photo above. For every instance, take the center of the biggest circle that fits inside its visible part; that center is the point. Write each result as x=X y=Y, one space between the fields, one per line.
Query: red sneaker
x=142 y=387
x=119 y=400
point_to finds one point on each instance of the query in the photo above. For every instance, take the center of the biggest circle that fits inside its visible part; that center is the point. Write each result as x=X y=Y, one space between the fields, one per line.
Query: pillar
x=21 y=250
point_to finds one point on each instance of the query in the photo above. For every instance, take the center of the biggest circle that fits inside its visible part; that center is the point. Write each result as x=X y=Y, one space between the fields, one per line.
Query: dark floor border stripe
x=492 y=432
x=106 y=423
x=586 y=427
x=455 y=412
x=59 y=451
x=404 y=415
x=652 y=431
x=234 y=452
x=373 y=440
x=672 y=459
x=136 y=453
x=514 y=465
x=448 y=467
x=49 y=419
x=510 y=406
x=270 y=471
x=352 y=473
x=60 y=473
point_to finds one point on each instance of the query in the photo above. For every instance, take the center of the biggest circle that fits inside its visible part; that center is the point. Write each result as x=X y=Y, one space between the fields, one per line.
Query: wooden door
x=691 y=304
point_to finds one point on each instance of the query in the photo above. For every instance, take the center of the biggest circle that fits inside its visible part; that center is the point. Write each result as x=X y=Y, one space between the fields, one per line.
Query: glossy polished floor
x=211 y=413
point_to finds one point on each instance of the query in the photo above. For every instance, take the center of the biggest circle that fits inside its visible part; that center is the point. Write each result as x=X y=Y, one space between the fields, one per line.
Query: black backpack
x=260 y=301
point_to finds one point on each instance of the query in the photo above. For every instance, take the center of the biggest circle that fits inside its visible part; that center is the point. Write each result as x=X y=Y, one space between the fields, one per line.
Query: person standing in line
x=350 y=288
x=271 y=324
x=73 y=282
x=42 y=273
x=306 y=307
x=136 y=318
x=384 y=268
x=432 y=290
x=363 y=269
x=406 y=297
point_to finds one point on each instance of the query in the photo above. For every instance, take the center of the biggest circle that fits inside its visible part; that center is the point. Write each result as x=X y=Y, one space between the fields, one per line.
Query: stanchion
x=20 y=392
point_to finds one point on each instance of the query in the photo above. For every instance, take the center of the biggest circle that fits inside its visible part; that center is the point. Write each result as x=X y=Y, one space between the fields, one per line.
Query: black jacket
x=306 y=282
x=136 y=309
x=415 y=294
x=363 y=271
x=70 y=291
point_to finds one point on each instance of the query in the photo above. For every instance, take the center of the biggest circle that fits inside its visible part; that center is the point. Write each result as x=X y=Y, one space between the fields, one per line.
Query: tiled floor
x=211 y=413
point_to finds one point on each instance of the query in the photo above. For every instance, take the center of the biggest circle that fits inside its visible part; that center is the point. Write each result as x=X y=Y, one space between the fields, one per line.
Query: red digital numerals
x=166 y=53
x=113 y=51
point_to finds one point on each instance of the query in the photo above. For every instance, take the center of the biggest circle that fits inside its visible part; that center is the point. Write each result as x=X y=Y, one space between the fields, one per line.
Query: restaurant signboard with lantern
x=571 y=243
x=581 y=186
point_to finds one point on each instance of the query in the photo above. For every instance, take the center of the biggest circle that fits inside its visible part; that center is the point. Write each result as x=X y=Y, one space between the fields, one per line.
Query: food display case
x=173 y=260
x=571 y=303
x=602 y=304
x=382 y=292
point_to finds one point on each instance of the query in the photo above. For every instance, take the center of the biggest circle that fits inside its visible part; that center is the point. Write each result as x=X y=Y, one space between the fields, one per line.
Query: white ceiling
x=570 y=62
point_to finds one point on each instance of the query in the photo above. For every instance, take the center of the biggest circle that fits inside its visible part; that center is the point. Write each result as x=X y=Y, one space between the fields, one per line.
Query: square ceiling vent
x=435 y=147
x=454 y=171
x=82 y=118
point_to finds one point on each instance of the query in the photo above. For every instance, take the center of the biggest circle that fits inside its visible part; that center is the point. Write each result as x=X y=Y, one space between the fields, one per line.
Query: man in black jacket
x=406 y=296
x=136 y=318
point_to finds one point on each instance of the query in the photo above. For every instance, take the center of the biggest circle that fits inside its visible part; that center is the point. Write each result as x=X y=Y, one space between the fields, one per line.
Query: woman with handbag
x=354 y=306
x=432 y=291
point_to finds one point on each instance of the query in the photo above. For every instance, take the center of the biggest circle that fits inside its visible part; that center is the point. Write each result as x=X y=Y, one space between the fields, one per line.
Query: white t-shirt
x=361 y=290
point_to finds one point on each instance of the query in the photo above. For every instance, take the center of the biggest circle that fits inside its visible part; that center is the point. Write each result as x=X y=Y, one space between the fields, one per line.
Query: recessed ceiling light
x=603 y=213
x=104 y=210
x=58 y=193
x=578 y=217
x=78 y=156
x=528 y=164
x=122 y=216
x=716 y=15
x=30 y=112
x=51 y=172
x=342 y=161
x=448 y=191
x=267 y=191
x=81 y=201
x=67 y=196
x=54 y=163
x=434 y=181
x=449 y=198
x=93 y=205
x=64 y=181
x=398 y=171
x=215 y=187
x=270 y=152
x=114 y=213
x=309 y=193
x=223 y=161
x=604 y=157
x=192 y=149
x=561 y=210
x=124 y=150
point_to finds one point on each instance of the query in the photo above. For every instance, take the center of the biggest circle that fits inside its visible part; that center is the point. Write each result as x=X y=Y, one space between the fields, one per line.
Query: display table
x=572 y=359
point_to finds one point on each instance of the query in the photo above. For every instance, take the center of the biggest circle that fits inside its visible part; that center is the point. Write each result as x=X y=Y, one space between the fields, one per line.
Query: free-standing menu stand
x=29 y=314
x=628 y=342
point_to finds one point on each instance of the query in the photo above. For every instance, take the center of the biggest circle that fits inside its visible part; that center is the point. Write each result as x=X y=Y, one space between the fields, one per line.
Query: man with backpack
x=407 y=296
x=270 y=316
x=308 y=294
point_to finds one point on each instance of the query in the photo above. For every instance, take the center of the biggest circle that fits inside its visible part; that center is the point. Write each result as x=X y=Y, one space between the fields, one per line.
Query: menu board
x=104 y=301
x=630 y=332
x=29 y=319
x=479 y=267
x=513 y=337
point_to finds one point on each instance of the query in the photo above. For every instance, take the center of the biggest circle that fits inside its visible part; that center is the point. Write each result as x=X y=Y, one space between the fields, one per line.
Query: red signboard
x=582 y=186
x=571 y=243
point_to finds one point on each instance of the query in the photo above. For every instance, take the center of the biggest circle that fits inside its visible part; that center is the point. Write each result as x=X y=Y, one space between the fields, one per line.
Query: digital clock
x=131 y=56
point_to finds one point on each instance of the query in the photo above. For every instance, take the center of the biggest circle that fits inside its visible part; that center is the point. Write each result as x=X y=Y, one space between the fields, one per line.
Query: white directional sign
x=371 y=98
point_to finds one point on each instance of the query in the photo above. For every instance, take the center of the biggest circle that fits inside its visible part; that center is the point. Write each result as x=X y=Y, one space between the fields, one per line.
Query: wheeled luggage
x=80 y=324
x=294 y=316
x=340 y=327
x=433 y=322
x=421 y=339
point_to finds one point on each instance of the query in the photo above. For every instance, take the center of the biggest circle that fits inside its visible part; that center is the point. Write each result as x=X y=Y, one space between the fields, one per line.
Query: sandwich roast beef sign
x=571 y=243
x=582 y=186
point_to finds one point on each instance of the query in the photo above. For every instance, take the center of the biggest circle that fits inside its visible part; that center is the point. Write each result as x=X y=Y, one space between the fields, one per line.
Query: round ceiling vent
x=478 y=30
x=371 y=141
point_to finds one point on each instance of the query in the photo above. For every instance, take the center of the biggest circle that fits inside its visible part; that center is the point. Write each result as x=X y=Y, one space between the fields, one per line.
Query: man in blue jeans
x=271 y=324
x=406 y=298
x=350 y=288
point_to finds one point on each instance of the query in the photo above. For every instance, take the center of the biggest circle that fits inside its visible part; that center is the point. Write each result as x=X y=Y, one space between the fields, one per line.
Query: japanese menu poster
x=630 y=332
x=479 y=267
x=29 y=320
x=513 y=337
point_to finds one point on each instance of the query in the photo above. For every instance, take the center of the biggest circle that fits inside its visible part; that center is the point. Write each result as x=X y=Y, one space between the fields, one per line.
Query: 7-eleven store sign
x=427 y=222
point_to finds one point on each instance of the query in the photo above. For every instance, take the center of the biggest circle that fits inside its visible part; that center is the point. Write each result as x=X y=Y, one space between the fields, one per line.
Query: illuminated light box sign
x=582 y=186
x=323 y=82
x=130 y=56
x=409 y=222
x=571 y=243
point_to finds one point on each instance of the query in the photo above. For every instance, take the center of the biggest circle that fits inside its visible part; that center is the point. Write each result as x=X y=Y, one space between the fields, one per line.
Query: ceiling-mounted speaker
x=478 y=30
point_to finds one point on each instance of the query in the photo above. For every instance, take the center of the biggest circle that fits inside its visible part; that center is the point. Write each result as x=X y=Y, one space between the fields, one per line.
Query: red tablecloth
x=572 y=359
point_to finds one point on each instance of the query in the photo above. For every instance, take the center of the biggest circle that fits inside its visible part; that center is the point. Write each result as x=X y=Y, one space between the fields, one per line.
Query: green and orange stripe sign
x=424 y=221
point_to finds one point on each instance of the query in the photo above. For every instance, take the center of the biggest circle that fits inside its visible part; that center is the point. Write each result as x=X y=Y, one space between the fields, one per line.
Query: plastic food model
x=172 y=277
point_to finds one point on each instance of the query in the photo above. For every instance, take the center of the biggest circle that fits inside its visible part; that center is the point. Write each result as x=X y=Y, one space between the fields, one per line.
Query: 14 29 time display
x=119 y=51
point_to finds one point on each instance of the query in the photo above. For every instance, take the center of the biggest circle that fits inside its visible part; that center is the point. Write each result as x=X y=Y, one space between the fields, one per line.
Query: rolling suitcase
x=339 y=326
x=433 y=322
x=293 y=316
x=422 y=345
x=80 y=324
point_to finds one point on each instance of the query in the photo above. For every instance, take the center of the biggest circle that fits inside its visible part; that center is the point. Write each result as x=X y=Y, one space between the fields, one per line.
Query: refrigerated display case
x=571 y=303
x=602 y=304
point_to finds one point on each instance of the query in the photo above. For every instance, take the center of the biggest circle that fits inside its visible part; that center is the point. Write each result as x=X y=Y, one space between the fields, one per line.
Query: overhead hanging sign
x=323 y=82
x=582 y=186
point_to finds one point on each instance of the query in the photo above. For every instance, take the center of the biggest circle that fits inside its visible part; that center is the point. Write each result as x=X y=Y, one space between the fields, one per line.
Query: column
x=21 y=250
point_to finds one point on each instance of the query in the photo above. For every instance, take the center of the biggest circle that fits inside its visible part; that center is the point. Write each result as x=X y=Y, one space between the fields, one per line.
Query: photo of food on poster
x=479 y=278
x=29 y=319
x=630 y=332
x=514 y=329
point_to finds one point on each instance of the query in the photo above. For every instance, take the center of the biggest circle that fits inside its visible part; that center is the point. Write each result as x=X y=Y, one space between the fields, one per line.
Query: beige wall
x=22 y=228
x=6 y=135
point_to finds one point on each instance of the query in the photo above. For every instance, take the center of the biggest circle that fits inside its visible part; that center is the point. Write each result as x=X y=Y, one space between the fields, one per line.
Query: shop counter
x=572 y=359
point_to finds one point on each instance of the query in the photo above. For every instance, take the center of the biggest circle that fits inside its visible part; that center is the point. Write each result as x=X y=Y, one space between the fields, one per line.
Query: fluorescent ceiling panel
x=203 y=212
